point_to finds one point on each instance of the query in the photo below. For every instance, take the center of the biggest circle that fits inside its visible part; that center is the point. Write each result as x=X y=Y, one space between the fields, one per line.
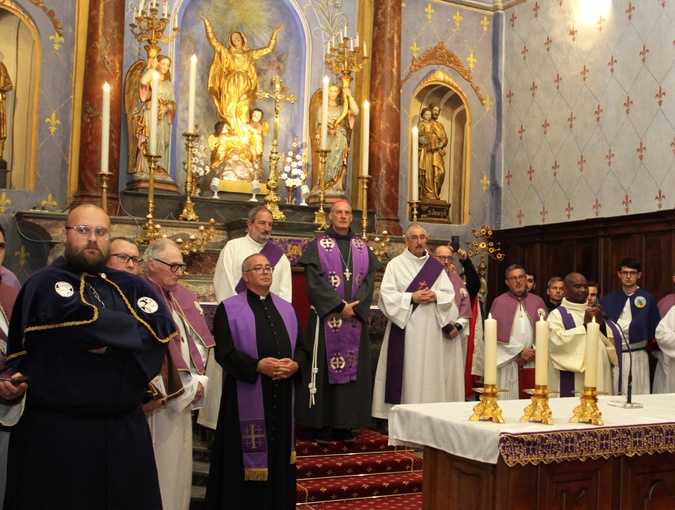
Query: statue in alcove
x=233 y=158
x=432 y=142
x=5 y=87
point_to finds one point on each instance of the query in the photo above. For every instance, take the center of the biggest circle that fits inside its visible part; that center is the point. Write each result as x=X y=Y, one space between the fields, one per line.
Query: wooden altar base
x=451 y=482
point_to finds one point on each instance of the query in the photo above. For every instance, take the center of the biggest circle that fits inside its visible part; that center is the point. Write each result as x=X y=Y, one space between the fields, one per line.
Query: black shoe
x=322 y=436
x=344 y=435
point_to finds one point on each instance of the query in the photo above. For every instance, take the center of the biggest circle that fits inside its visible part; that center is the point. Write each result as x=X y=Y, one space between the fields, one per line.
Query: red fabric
x=525 y=381
x=469 y=379
x=300 y=298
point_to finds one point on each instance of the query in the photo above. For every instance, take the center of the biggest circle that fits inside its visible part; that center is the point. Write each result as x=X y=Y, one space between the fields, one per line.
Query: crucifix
x=272 y=199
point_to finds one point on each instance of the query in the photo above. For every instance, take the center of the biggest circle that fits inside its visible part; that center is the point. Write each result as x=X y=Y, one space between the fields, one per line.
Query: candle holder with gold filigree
x=379 y=246
x=483 y=245
x=364 y=205
x=587 y=411
x=414 y=204
x=320 y=215
x=488 y=409
x=105 y=175
x=150 y=232
x=196 y=244
x=538 y=411
x=188 y=213
x=149 y=27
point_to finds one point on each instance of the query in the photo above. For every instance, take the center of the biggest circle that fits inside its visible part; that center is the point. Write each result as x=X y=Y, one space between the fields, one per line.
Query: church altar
x=627 y=463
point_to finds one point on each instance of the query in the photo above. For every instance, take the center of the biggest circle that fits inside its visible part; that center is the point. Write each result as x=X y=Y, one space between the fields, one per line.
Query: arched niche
x=20 y=53
x=455 y=116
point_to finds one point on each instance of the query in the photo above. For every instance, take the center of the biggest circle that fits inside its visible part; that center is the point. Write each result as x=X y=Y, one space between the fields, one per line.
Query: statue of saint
x=258 y=129
x=233 y=158
x=5 y=87
x=432 y=142
x=233 y=81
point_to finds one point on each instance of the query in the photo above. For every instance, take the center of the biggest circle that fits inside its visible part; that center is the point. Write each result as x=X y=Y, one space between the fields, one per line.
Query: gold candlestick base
x=188 y=213
x=413 y=207
x=488 y=408
x=150 y=230
x=320 y=215
x=539 y=411
x=587 y=411
x=104 y=189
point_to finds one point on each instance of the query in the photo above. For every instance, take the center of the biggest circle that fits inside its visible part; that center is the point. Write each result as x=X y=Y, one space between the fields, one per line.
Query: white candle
x=415 y=169
x=191 y=94
x=351 y=45
x=365 y=129
x=324 y=115
x=541 y=357
x=356 y=40
x=365 y=52
x=490 y=353
x=165 y=9
x=344 y=33
x=105 y=128
x=140 y=7
x=591 y=361
x=175 y=20
x=154 y=112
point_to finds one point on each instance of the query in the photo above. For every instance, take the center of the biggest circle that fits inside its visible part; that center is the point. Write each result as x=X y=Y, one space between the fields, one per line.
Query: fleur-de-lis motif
x=471 y=60
x=488 y=103
x=643 y=53
x=56 y=40
x=598 y=113
x=508 y=176
x=555 y=167
x=581 y=163
x=573 y=34
x=530 y=172
x=659 y=198
x=53 y=121
x=485 y=182
x=629 y=11
x=584 y=73
x=457 y=17
x=524 y=52
x=545 y=126
x=430 y=11
x=509 y=96
x=415 y=49
x=547 y=43
x=596 y=207
x=521 y=131
x=626 y=204
x=611 y=64
x=520 y=216
x=4 y=202
x=485 y=23
x=609 y=157
x=627 y=104
x=513 y=19
x=533 y=89
x=557 y=81
x=543 y=214
x=601 y=23
x=535 y=9
x=50 y=202
x=659 y=97
x=571 y=119
x=22 y=256
x=569 y=210
x=641 y=150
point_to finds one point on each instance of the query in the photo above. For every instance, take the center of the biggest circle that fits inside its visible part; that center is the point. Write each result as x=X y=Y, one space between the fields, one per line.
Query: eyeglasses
x=517 y=278
x=84 y=231
x=418 y=238
x=261 y=269
x=124 y=258
x=173 y=267
x=629 y=273
x=444 y=258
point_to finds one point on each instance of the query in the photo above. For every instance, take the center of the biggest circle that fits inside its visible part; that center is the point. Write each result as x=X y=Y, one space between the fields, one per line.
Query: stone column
x=103 y=63
x=385 y=119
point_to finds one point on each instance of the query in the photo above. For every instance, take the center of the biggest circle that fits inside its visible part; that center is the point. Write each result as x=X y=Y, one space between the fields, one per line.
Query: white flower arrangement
x=200 y=167
x=292 y=172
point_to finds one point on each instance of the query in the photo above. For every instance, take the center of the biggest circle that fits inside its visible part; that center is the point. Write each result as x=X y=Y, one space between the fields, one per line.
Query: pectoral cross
x=272 y=199
x=348 y=273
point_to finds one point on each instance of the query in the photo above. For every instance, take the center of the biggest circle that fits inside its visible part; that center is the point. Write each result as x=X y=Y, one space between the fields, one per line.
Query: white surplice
x=432 y=368
x=664 y=376
x=522 y=337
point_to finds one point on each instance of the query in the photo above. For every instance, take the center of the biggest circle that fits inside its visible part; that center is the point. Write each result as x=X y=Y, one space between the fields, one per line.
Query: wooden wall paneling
x=584 y=488
x=648 y=484
x=656 y=268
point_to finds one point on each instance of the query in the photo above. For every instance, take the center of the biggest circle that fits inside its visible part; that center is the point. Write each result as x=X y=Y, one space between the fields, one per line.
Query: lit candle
x=324 y=115
x=415 y=169
x=165 y=9
x=591 y=361
x=154 y=112
x=541 y=357
x=366 y=138
x=191 y=94
x=490 y=353
x=105 y=128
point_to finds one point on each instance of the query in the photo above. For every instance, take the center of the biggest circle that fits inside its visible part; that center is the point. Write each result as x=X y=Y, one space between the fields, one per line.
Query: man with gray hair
x=516 y=312
x=417 y=364
x=171 y=424
x=228 y=282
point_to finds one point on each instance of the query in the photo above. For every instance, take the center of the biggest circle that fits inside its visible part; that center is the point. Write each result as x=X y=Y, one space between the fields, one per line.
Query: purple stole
x=250 y=396
x=273 y=254
x=343 y=336
x=393 y=389
x=184 y=302
x=666 y=304
x=461 y=298
x=504 y=308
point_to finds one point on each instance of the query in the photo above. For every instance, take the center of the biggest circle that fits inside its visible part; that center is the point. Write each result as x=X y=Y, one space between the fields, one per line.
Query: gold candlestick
x=413 y=207
x=150 y=230
x=104 y=190
x=196 y=244
x=364 y=207
x=538 y=410
x=149 y=27
x=484 y=245
x=488 y=409
x=587 y=411
x=320 y=215
x=188 y=212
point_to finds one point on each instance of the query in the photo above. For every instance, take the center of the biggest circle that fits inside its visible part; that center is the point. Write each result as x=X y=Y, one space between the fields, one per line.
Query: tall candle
x=415 y=168
x=490 y=353
x=351 y=45
x=356 y=40
x=541 y=358
x=140 y=7
x=191 y=94
x=366 y=138
x=154 y=112
x=105 y=128
x=365 y=52
x=591 y=361
x=324 y=115
x=165 y=9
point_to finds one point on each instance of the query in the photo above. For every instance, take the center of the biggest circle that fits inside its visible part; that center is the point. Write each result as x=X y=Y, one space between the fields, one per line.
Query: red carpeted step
x=366 y=441
x=353 y=487
x=413 y=502
x=353 y=464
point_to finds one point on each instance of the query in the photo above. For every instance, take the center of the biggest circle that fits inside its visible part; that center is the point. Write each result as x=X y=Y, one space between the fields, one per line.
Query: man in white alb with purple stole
x=417 y=363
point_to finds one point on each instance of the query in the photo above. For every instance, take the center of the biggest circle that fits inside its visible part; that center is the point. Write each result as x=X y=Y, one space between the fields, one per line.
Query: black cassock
x=226 y=488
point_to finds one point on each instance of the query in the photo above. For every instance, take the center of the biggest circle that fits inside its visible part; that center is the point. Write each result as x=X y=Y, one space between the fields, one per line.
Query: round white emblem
x=463 y=292
x=147 y=304
x=64 y=289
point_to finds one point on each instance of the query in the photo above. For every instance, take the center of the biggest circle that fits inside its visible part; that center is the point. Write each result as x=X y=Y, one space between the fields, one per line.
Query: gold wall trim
x=50 y=14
